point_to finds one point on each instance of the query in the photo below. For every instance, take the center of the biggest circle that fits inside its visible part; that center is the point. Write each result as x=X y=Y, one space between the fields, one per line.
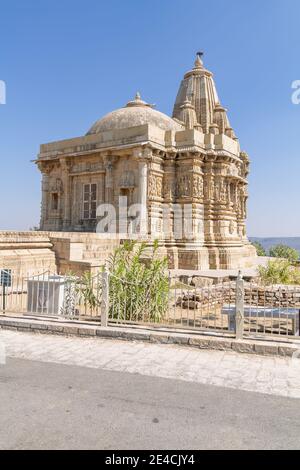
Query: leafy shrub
x=284 y=251
x=259 y=249
x=88 y=289
x=279 y=271
x=137 y=290
x=84 y=290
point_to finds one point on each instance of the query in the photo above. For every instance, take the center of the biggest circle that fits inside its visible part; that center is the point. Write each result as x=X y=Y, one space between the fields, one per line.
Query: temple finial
x=198 y=61
x=137 y=101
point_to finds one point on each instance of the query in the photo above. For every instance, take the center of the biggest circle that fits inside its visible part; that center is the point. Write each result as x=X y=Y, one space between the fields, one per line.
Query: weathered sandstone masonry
x=192 y=159
x=26 y=252
x=29 y=253
x=285 y=348
x=254 y=295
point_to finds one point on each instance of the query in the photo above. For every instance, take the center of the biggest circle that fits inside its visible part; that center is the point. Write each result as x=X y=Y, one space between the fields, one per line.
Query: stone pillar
x=109 y=181
x=239 y=307
x=45 y=169
x=44 y=204
x=143 y=185
x=143 y=156
x=169 y=185
x=66 y=179
x=209 y=184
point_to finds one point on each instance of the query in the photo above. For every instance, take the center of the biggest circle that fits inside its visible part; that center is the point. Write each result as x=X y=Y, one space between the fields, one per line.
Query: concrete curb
x=82 y=329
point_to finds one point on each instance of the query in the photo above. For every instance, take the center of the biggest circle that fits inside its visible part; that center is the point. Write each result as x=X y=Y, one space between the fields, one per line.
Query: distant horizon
x=273 y=237
x=269 y=242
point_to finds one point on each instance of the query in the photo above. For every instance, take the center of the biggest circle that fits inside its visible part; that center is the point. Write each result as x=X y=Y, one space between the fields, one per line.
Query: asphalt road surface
x=57 y=406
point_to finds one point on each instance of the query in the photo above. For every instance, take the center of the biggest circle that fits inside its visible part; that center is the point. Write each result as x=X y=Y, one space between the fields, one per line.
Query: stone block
x=287 y=351
x=136 y=336
x=199 y=342
x=242 y=347
x=15 y=323
x=56 y=328
x=87 y=331
x=219 y=344
x=109 y=333
x=159 y=338
x=38 y=326
x=71 y=330
x=266 y=349
x=178 y=339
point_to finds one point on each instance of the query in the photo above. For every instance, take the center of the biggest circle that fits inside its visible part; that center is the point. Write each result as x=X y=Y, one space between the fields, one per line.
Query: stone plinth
x=26 y=252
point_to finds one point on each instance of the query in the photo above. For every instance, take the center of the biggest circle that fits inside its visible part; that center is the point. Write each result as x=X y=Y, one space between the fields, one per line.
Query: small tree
x=275 y=272
x=259 y=249
x=284 y=251
x=279 y=271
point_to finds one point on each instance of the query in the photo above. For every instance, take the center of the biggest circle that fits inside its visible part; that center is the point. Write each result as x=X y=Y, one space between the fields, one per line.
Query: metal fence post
x=105 y=298
x=239 y=307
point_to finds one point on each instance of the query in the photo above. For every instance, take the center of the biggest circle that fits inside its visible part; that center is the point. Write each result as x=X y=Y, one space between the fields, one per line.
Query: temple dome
x=135 y=113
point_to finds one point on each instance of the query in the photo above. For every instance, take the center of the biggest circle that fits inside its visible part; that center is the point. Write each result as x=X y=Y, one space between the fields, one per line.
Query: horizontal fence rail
x=83 y=297
x=271 y=310
x=53 y=295
x=236 y=308
x=36 y=294
x=178 y=305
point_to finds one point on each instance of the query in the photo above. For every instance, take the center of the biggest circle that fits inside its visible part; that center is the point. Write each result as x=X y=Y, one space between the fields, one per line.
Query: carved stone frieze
x=184 y=186
x=155 y=186
x=198 y=186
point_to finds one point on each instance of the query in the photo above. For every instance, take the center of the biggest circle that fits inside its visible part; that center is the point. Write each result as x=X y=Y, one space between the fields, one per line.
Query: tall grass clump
x=138 y=290
x=82 y=292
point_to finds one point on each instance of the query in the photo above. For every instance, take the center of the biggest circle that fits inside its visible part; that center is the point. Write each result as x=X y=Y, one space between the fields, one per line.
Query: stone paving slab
x=154 y=335
x=262 y=374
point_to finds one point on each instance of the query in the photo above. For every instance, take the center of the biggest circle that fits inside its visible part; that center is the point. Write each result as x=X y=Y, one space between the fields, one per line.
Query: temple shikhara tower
x=191 y=161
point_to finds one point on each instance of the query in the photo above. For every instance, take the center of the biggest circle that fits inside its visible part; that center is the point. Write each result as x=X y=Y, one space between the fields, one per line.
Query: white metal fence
x=178 y=306
x=51 y=295
x=238 y=308
x=271 y=310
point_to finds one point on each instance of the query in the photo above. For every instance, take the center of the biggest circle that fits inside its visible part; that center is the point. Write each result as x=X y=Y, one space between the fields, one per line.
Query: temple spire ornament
x=199 y=87
x=198 y=61
x=137 y=101
x=188 y=116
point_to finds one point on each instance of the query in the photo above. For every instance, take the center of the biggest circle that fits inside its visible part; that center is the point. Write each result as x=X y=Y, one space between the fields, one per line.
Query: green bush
x=138 y=290
x=279 y=271
x=88 y=289
x=259 y=249
x=84 y=290
x=284 y=251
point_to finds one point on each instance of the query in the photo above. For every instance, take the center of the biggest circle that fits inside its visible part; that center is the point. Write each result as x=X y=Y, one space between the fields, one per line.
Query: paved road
x=54 y=406
x=68 y=393
x=272 y=375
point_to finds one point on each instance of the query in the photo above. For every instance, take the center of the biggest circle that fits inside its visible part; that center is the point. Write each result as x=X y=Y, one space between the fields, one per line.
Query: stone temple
x=192 y=159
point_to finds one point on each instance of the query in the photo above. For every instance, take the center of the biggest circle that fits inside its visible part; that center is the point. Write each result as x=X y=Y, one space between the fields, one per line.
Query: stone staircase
x=80 y=252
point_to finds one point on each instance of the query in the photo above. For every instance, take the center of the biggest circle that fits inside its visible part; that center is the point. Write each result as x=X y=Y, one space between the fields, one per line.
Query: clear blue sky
x=68 y=62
